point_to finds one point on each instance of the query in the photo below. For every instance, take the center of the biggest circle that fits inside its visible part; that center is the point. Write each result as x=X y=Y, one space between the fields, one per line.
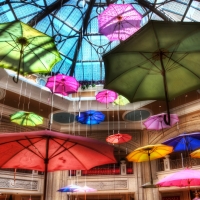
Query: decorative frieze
x=9 y=183
x=106 y=185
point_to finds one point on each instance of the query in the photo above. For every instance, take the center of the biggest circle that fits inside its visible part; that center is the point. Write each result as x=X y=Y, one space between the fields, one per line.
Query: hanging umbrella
x=106 y=96
x=26 y=50
x=118 y=138
x=119 y=21
x=183 y=178
x=149 y=152
x=121 y=101
x=185 y=142
x=69 y=188
x=90 y=117
x=195 y=154
x=160 y=62
x=85 y=189
x=26 y=118
x=156 y=122
x=62 y=84
x=52 y=151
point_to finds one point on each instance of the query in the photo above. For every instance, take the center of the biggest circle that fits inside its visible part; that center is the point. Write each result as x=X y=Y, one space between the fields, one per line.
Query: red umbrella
x=106 y=96
x=119 y=21
x=118 y=138
x=62 y=84
x=51 y=151
x=157 y=122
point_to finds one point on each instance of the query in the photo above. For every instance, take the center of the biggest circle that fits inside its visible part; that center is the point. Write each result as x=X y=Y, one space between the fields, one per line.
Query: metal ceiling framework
x=52 y=8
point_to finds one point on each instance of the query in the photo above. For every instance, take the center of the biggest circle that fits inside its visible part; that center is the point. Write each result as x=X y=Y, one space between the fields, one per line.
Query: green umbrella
x=121 y=100
x=26 y=118
x=159 y=62
x=26 y=50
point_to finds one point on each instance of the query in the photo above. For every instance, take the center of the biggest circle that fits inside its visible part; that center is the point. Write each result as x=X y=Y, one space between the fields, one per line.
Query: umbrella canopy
x=157 y=122
x=69 y=188
x=195 y=154
x=62 y=84
x=85 y=189
x=106 y=96
x=149 y=152
x=90 y=117
x=183 y=178
x=118 y=138
x=26 y=118
x=51 y=151
x=119 y=21
x=121 y=100
x=160 y=62
x=185 y=142
x=26 y=50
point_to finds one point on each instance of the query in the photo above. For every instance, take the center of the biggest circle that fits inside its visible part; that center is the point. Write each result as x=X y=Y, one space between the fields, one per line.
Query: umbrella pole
x=15 y=79
x=46 y=160
x=165 y=88
x=151 y=178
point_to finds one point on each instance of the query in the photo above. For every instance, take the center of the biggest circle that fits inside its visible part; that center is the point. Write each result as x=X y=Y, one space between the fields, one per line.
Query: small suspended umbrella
x=121 y=100
x=195 y=154
x=157 y=122
x=118 y=138
x=26 y=118
x=85 y=189
x=148 y=153
x=62 y=84
x=26 y=50
x=69 y=188
x=119 y=21
x=185 y=142
x=106 y=96
x=90 y=117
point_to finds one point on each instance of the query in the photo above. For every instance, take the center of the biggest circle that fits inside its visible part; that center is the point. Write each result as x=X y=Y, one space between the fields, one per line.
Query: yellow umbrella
x=149 y=152
x=195 y=154
x=121 y=100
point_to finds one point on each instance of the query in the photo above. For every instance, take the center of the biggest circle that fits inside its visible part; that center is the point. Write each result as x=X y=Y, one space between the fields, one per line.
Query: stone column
x=55 y=181
x=123 y=167
x=167 y=163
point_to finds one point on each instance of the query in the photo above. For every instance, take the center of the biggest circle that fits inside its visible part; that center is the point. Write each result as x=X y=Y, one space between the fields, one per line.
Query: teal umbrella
x=159 y=62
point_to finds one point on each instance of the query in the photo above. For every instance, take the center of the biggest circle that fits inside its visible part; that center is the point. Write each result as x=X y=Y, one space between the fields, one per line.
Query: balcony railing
x=179 y=163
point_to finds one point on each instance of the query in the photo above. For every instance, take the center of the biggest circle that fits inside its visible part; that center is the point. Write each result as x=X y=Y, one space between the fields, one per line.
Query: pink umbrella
x=118 y=138
x=183 y=178
x=119 y=21
x=157 y=122
x=106 y=96
x=187 y=177
x=62 y=84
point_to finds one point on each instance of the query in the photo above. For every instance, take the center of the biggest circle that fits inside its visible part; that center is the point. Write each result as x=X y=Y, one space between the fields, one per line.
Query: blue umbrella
x=90 y=117
x=69 y=188
x=185 y=142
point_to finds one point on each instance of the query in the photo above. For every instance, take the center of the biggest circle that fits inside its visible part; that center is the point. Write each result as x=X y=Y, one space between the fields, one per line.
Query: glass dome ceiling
x=73 y=25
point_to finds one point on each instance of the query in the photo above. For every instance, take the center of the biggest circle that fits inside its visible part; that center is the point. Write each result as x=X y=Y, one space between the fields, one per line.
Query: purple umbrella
x=62 y=84
x=69 y=188
x=157 y=122
x=119 y=21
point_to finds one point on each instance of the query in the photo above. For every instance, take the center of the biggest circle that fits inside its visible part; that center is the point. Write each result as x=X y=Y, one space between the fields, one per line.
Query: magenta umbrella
x=62 y=84
x=157 y=122
x=184 y=178
x=52 y=151
x=106 y=96
x=119 y=21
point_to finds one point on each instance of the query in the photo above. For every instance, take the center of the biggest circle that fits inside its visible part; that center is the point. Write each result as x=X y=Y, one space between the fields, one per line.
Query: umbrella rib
x=19 y=151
